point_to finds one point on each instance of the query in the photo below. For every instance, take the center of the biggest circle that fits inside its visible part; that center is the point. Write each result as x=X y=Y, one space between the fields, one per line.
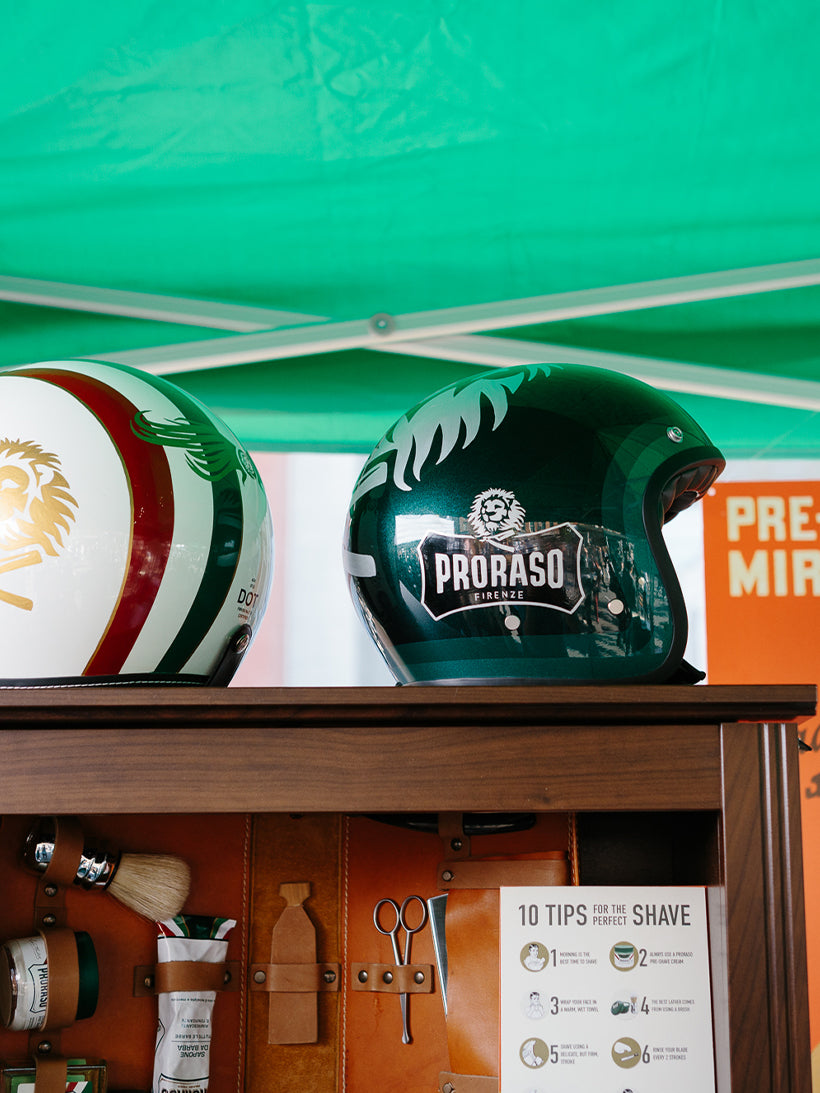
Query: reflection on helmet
x=508 y=528
x=135 y=537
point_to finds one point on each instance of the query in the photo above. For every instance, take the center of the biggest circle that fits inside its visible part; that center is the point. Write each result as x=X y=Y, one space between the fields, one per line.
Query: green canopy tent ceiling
x=311 y=215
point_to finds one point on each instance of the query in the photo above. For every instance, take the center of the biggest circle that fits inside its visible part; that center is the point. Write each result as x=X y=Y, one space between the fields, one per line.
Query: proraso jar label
x=25 y=998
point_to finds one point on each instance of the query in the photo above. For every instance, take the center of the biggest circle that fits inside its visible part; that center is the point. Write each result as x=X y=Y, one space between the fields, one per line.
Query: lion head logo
x=496 y=514
x=36 y=509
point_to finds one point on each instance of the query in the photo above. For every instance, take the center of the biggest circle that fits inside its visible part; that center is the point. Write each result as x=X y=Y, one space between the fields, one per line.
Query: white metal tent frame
x=258 y=334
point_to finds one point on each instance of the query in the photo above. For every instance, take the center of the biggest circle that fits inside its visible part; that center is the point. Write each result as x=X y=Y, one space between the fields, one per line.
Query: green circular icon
x=624 y=956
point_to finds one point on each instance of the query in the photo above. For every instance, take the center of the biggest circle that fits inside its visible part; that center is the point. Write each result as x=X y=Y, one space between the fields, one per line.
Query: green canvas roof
x=313 y=215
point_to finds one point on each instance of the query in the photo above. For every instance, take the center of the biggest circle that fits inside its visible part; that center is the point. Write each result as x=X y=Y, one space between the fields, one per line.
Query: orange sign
x=762 y=564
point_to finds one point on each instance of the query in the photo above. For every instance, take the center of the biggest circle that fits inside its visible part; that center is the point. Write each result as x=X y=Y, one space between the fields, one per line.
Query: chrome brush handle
x=96 y=867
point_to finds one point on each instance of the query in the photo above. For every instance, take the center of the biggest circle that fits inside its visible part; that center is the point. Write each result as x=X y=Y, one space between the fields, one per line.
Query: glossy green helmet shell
x=508 y=529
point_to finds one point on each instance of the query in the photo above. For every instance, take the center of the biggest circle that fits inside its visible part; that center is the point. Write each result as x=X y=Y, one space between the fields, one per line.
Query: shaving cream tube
x=182 y=1055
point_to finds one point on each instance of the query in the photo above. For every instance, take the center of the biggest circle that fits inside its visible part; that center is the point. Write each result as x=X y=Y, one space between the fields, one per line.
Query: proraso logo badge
x=500 y=563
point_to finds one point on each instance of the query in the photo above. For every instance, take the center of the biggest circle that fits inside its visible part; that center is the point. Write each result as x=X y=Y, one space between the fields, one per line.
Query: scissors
x=401 y=923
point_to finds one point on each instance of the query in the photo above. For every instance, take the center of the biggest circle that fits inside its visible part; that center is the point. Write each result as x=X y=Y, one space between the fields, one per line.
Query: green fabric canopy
x=437 y=162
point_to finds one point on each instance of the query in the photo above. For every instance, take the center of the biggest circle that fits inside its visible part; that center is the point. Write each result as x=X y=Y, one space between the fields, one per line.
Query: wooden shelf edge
x=92 y=706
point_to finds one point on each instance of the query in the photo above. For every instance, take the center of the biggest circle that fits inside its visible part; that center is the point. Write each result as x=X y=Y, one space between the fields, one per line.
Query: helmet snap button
x=675 y=434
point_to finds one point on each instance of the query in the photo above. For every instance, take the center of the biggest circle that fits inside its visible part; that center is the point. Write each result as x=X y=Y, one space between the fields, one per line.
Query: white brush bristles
x=153 y=885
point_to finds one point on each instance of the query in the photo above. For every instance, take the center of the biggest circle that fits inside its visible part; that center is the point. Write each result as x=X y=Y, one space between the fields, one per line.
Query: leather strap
x=451 y=830
x=188 y=975
x=488 y=873
x=392 y=978
x=63 y=978
x=49 y=904
x=49 y=899
x=466 y=1083
x=67 y=852
x=50 y=1074
x=294 y=978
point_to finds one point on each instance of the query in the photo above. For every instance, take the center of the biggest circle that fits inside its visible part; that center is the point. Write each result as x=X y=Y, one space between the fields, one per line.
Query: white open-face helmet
x=135 y=537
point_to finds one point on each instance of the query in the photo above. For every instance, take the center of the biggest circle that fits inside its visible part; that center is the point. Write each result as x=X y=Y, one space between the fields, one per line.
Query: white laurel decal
x=450 y=417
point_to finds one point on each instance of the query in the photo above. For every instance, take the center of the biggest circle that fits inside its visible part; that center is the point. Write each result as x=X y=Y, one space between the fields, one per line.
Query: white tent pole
x=239 y=318
x=445 y=334
x=671 y=375
x=326 y=336
x=382 y=330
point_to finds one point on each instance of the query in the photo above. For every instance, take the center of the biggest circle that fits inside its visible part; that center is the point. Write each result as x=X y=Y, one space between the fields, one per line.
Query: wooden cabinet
x=715 y=769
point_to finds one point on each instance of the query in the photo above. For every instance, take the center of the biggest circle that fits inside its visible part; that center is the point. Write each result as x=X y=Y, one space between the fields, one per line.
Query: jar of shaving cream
x=27 y=976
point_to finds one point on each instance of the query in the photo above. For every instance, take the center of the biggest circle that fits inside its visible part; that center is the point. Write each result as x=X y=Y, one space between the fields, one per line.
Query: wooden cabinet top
x=375 y=749
x=180 y=706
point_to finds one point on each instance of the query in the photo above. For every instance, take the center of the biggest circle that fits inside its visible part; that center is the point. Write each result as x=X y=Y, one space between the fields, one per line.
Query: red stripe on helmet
x=152 y=514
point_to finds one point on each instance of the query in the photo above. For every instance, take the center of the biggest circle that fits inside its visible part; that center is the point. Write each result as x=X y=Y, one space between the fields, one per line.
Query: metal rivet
x=259 y=977
x=44 y=1047
x=148 y=981
x=675 y=434
x=387 y=977
x=242 y=643
x=49 y=920
x=329 y=977
x=226 y=978
x=447 y=875
x=362 y=976
x=383 y=323
x=448 y=1088
x=50 y=890
x=419 y=977
x=456 y=844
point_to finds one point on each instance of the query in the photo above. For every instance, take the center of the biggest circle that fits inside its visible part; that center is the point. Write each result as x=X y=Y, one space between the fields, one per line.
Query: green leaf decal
x=208 y=453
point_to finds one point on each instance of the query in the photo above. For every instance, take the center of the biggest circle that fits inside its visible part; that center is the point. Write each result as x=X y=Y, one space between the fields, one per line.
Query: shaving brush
x=154 y=885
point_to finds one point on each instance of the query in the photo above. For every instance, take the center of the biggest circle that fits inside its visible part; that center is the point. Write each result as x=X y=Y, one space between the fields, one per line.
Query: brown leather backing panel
x=382 y=860
x=123 y=1028
x=286 y=849
x=386 y=861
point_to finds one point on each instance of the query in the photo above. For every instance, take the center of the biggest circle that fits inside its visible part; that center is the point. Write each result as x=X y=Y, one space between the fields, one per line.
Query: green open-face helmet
x=508 y=529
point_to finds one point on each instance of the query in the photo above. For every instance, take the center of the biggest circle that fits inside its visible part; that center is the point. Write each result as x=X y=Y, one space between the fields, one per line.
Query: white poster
x=605 y=988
